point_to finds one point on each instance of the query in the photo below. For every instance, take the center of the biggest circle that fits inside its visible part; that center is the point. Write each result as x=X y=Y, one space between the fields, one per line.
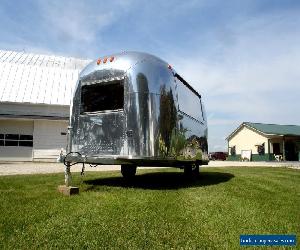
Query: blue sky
x=242 y=56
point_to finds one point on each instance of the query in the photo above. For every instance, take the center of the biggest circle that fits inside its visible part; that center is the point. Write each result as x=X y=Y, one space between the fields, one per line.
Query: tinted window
x=25 y=143
x=188 y=101
x=11 y=137
x=11 y=143
x=232 y=150
x=261 y=149
x=102 y=96
x=16 y=140
x=26 y=137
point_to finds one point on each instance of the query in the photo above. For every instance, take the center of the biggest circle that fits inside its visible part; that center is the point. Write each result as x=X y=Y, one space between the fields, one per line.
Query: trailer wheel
x=128 y=171
x=191 y=170
x=196 y=169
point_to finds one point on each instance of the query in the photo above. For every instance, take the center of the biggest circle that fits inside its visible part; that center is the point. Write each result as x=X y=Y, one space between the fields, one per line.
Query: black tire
x=128 y=171
x=196 y=169
x=191 y=170
x=188 y=170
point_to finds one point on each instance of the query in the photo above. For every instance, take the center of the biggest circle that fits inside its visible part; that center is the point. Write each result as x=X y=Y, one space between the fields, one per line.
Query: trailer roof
x=124 y=61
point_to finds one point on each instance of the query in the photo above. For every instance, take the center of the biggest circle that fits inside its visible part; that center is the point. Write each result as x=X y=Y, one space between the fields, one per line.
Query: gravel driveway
x=12 y=168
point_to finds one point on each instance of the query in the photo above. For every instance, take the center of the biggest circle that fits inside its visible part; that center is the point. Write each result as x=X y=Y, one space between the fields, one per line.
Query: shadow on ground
x=161 y=180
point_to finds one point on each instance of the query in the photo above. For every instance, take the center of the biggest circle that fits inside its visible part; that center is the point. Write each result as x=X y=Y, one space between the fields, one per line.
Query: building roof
x=270 y=129
x=37 y=78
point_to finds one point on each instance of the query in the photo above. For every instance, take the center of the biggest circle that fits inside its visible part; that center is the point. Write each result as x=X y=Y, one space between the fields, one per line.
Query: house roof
x=37 y=78
x=270 y=129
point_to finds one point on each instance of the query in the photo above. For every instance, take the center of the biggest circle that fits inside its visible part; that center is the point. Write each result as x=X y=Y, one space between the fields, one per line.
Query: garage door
x=49 y=137
x=16 y=140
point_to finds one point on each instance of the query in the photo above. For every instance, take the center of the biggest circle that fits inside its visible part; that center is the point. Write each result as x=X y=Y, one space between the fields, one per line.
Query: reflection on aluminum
x=155 y=123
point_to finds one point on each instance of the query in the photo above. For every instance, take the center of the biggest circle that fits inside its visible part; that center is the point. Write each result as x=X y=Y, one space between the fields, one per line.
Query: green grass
x=160 y=209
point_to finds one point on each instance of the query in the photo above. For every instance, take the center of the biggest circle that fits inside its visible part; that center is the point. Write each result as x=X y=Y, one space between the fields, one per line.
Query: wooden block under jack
x=68 y=190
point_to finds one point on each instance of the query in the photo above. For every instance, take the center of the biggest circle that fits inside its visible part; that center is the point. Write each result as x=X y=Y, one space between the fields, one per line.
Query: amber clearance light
x=111 y=59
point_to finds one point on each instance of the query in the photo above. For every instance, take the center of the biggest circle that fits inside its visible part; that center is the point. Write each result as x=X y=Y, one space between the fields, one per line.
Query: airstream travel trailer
x=133 y=109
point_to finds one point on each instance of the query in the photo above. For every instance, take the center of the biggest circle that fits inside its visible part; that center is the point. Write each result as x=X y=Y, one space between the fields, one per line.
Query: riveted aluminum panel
x=100 y=134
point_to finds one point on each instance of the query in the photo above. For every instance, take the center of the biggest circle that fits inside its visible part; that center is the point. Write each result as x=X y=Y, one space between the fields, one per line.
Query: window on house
x=261 y=149
x=15 y=140
x=233 y=151
x=26 y=141
x=11 y=140
x=1 y=139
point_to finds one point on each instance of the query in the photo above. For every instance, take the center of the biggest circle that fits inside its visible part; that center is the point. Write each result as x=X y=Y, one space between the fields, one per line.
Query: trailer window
x=102 y=96
x=189 y=100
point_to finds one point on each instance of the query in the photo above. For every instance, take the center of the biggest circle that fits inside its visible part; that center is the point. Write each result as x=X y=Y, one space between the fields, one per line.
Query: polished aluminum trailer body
x=133 y=108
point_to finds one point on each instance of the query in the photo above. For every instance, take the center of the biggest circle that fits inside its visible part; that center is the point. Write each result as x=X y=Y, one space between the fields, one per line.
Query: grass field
x=160 y=209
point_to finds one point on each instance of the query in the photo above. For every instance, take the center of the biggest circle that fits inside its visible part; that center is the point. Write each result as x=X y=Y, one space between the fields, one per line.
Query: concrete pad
x=68 y=191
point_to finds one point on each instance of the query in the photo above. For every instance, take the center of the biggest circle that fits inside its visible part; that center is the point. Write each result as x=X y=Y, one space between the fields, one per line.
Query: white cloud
x=251 y=76
x=80 y=26
x=75 y=20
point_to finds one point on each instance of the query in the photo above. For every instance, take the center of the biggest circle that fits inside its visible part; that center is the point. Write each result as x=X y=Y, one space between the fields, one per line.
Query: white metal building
x=34 y=104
